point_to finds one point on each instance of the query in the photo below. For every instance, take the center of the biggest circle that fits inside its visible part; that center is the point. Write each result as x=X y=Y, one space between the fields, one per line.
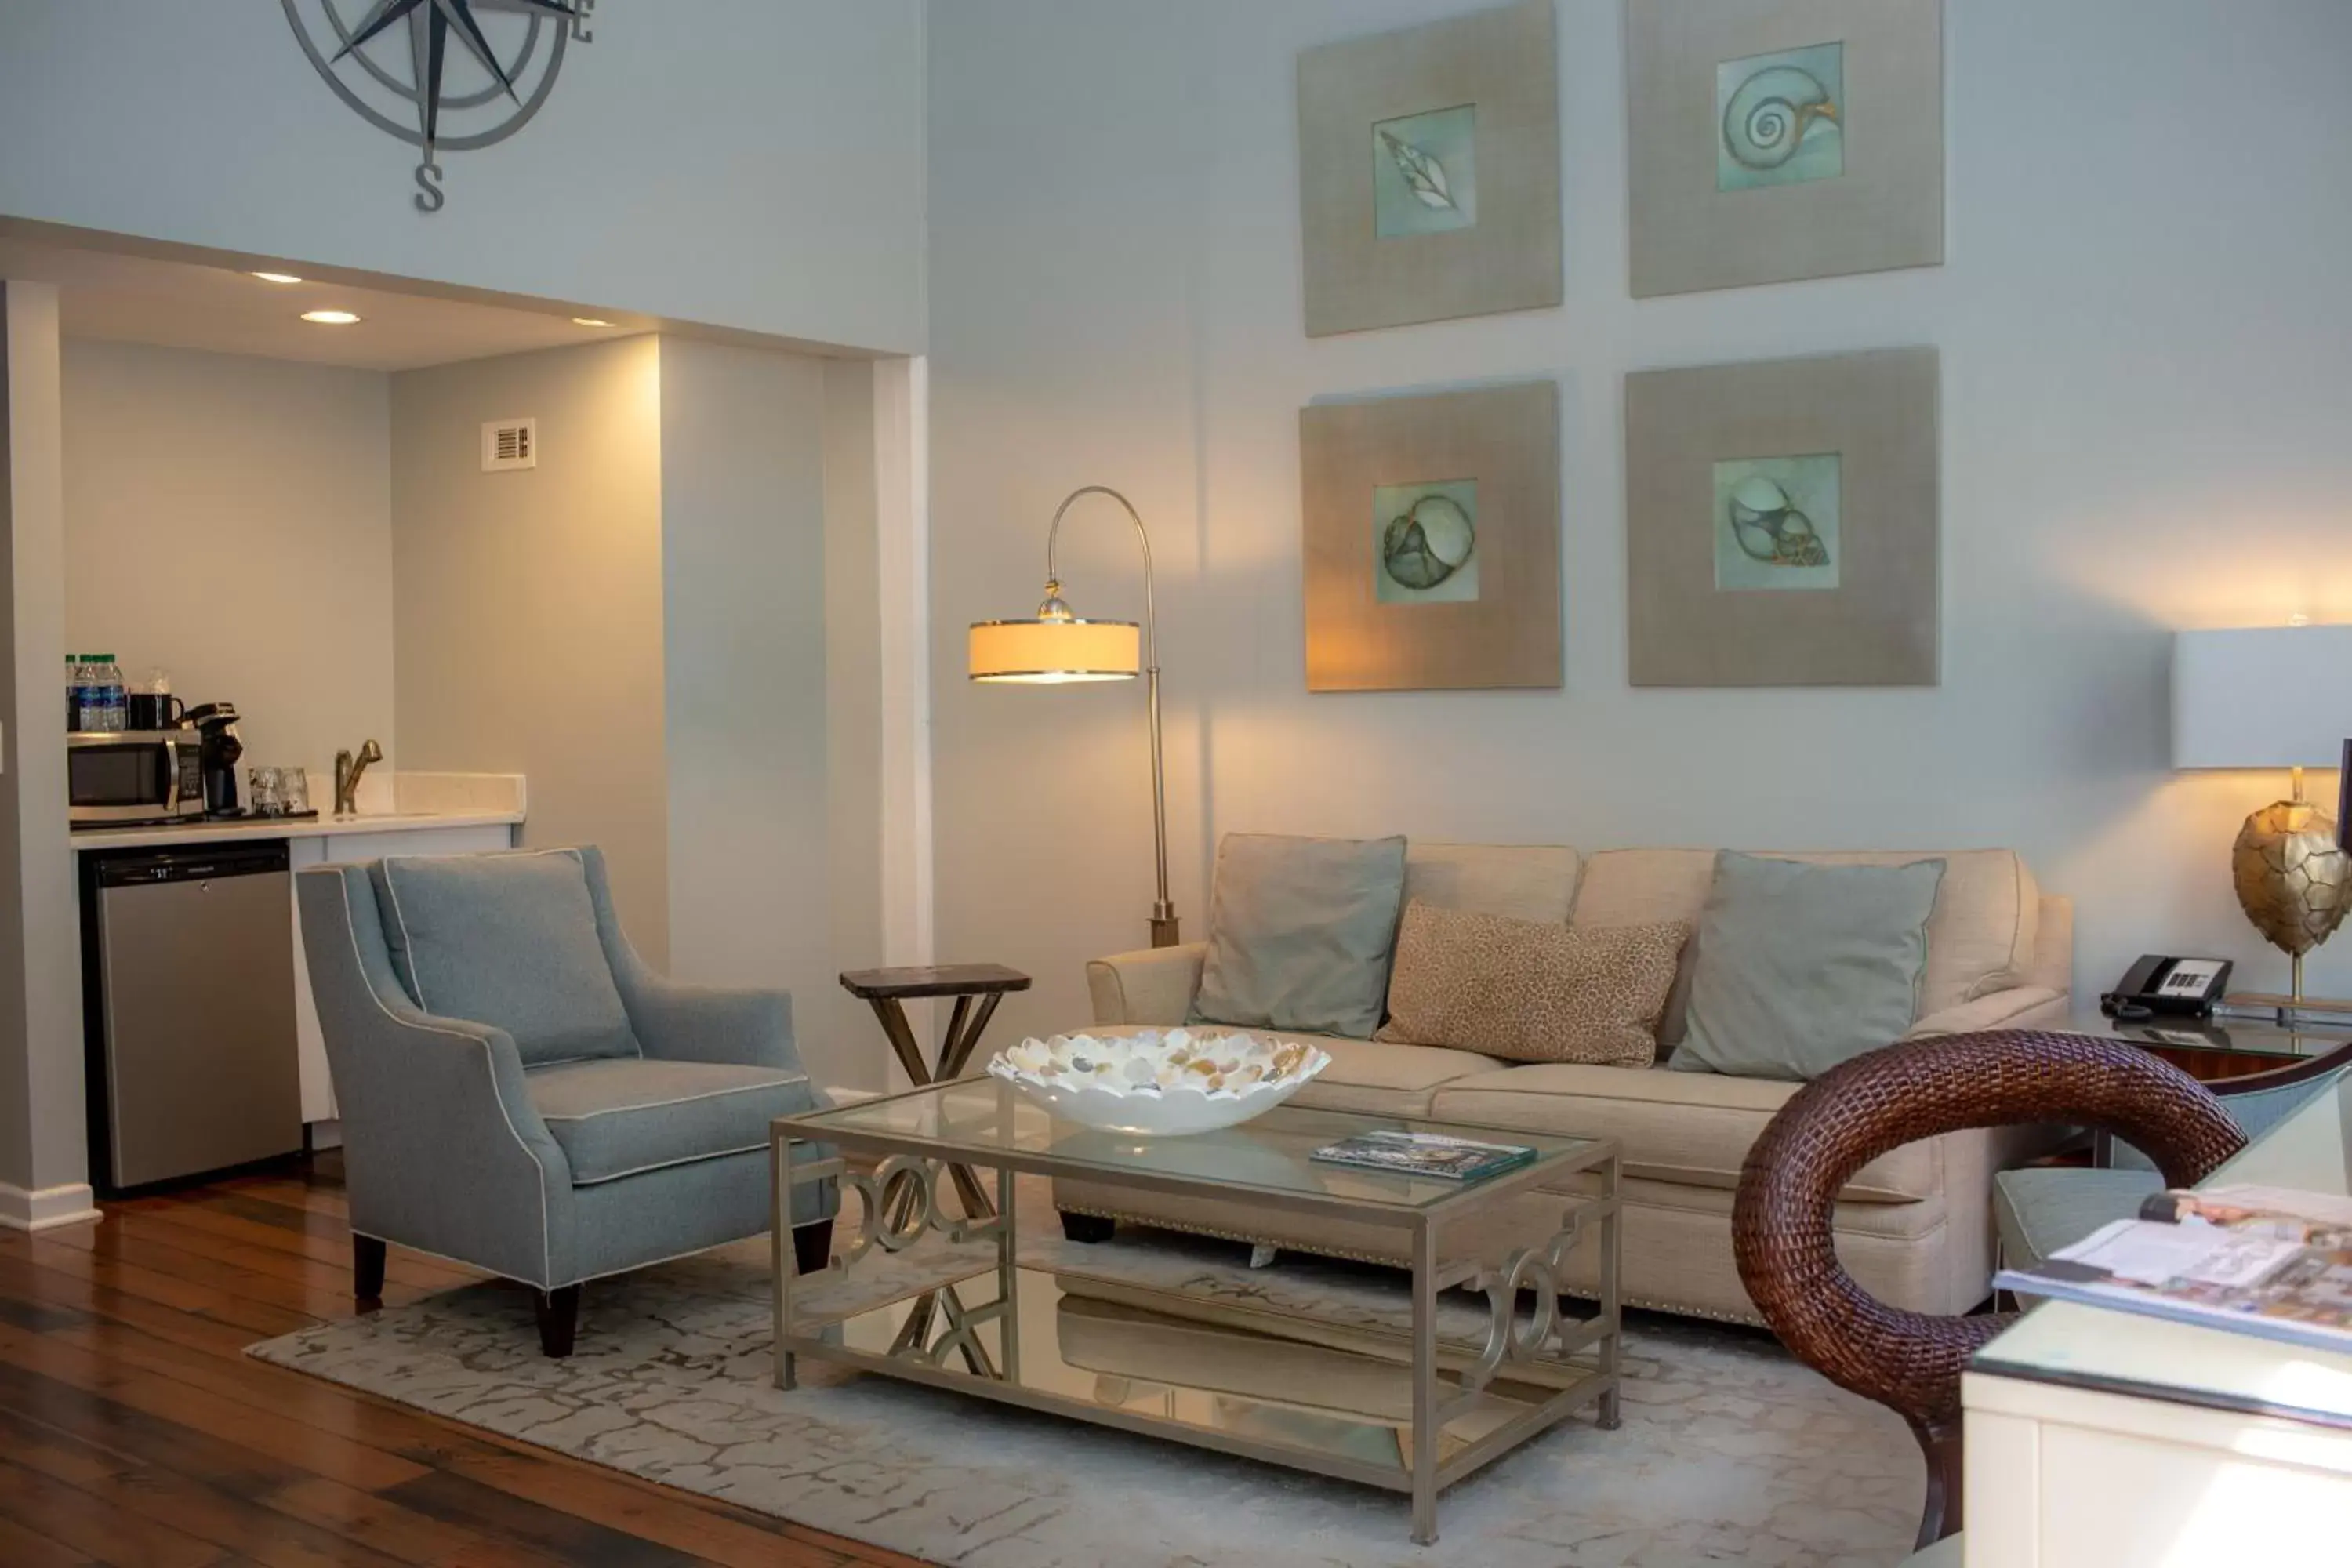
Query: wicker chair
x=1910 y=1361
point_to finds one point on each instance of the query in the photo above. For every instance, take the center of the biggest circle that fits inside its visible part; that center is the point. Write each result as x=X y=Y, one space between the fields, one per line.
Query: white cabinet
x=317 y=1086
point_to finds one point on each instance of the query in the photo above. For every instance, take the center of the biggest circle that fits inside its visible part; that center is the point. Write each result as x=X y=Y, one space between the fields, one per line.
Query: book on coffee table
x=1425 y=1155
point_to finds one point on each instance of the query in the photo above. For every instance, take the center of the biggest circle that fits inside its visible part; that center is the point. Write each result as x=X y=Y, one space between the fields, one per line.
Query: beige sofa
x=1915 y=1227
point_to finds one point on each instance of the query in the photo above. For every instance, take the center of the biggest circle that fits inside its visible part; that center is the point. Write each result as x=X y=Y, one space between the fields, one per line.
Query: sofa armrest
x=1155 y=986
x=2021 y=1007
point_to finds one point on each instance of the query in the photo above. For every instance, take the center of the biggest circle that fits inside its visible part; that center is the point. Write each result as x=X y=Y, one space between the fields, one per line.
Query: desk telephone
x=2177 y=987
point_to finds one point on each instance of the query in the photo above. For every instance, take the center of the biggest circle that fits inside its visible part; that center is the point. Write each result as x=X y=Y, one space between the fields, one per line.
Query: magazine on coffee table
x=1425 y=1155
x=2268 y=1262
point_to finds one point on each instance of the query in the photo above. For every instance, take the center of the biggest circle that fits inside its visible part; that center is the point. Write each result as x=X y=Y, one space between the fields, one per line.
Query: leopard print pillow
x=1531 y=991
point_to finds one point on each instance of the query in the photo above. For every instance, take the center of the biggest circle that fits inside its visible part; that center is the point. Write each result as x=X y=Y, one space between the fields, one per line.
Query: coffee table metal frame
x=899 y=1174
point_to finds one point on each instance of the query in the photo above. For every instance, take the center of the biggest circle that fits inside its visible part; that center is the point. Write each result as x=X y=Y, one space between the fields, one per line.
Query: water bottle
x=113 y=702
x=73 y=692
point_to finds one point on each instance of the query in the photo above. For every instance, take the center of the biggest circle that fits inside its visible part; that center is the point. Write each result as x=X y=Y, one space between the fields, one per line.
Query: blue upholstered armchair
x=519 y=1092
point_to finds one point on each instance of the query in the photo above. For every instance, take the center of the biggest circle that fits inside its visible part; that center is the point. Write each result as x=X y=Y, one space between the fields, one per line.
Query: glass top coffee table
x=1411 y=1400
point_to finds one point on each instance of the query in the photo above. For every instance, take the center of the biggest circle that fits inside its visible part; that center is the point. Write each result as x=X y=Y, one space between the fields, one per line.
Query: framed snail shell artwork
x=1780 y=522
x=1773 y=139
x=1429 y=172
x=1432 y=540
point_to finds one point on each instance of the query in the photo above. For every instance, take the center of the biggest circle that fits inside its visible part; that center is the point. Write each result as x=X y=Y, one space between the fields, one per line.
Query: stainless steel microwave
x=119 y=778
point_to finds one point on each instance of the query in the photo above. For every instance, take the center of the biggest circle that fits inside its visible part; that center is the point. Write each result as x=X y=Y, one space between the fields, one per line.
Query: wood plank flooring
x=134 y=1432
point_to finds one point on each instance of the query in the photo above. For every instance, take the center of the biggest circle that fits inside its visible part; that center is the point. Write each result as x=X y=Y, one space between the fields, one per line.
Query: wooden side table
x=977 y=989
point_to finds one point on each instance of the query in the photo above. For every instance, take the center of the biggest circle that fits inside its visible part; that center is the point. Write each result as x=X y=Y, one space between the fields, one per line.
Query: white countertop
x=284 y=827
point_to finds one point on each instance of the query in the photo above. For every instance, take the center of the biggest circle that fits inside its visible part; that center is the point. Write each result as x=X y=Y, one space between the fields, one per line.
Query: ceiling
x=183 y=304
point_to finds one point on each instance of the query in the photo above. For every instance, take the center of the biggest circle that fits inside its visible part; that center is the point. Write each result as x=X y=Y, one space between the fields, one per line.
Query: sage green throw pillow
x=1802 y=966
x=1300 y=933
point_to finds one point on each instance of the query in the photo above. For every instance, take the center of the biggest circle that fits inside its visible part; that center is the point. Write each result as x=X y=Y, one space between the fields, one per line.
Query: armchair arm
x=711 y=1023
x=1155 y=986
x=2019 y=1007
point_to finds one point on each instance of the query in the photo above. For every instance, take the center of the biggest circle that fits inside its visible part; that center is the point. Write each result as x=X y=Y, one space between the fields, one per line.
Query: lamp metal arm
x=1164 y=927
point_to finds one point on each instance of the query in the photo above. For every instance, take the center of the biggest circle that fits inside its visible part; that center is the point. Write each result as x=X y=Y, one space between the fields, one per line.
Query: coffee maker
x=217 y=752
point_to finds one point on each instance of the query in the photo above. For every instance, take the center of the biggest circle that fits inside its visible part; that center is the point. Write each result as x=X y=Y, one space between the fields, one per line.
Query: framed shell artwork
x=1773 y=139
x=1780 y=522
x=1432 y=541
x=1429 y=172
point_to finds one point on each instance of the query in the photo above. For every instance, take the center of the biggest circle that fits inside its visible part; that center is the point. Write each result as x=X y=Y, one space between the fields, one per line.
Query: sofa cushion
x=1691 y=1128
x=1524 y=882
x=1802 y=967
x=1531 y=990
x=1299 y=933
x=1981 y=939
x=508 y=939
x=618 y=1119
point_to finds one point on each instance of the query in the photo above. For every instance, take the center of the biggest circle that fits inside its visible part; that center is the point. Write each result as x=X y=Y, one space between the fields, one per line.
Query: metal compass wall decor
x=441 y=75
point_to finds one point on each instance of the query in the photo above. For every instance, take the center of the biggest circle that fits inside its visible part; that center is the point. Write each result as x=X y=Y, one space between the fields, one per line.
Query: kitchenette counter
x=389 y=803
x=322 y=827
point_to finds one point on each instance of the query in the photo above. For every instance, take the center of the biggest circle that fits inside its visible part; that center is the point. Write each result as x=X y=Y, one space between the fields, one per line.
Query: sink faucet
x=346 y=777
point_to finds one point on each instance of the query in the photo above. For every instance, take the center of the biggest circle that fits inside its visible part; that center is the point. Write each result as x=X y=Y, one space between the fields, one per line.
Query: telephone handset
x=2176 y=987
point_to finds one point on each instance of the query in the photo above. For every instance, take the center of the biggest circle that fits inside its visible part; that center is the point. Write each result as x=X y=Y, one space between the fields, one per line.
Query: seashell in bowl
x=1159 y=1082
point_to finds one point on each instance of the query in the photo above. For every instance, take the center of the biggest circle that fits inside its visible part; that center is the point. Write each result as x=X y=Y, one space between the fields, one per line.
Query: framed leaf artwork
x=1780 y=522
x=1772 y=140
x=1432 y=541
x=1429 y=172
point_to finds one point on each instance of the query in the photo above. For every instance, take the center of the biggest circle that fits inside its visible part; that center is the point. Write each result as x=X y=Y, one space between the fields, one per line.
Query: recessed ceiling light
x=589 y=322
x=277 y=278
x=330 y=318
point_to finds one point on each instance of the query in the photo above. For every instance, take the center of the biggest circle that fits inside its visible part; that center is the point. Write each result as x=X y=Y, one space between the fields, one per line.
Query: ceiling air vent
x=509 y=443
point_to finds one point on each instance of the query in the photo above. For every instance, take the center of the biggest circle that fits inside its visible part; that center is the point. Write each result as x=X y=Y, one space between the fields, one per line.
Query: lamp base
x=2292 y=879
x=1164 y=930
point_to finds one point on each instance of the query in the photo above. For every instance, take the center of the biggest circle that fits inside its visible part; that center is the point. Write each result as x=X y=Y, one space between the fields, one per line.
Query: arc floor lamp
x=1054 y=647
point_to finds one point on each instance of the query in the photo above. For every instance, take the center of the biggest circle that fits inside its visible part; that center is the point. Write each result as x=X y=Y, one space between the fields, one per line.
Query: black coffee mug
x=152 y=711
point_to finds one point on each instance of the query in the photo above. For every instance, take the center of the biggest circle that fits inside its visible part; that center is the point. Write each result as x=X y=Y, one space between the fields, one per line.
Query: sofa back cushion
x=1520 y=882
x=508 y=939
x=1300 y=931
x=1981 y=937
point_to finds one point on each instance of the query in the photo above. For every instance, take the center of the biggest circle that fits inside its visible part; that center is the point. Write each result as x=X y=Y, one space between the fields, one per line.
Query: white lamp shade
x=1047 y=653
x=2261 y=697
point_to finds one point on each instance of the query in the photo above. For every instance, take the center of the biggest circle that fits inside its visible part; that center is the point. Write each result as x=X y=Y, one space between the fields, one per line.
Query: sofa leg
x=367 y=1270
x=559 y=1320
x=1087 y=1228
x=812 y=1246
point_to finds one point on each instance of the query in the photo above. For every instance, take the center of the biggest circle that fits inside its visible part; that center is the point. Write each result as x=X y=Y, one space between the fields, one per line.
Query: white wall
x=230 y=520
x=754 y=163
x=744 y=588
x=527 y=604
x=2144 y=328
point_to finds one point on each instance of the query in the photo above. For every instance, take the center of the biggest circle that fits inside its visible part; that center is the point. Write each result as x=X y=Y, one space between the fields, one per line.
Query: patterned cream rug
x=1730 y=1452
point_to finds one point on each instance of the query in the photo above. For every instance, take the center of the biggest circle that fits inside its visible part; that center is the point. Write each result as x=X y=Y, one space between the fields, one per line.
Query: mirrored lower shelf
x=1094 y=1350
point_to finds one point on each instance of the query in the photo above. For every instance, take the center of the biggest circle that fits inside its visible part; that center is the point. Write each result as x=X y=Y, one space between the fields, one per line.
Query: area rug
x=1730 y=1452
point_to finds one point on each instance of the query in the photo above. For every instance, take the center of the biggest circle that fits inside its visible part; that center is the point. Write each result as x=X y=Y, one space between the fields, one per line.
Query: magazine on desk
x=2268 y=1262
x=1425 y=1155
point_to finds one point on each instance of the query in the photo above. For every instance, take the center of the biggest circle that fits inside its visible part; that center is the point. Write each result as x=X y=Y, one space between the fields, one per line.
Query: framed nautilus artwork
x=1780 y=522
x=1772 y=140
x=1432 y=540
x=1429 y=172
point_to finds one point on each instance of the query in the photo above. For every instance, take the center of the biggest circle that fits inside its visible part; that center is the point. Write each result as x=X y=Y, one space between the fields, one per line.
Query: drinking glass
x=266 y=799
x=293 y=790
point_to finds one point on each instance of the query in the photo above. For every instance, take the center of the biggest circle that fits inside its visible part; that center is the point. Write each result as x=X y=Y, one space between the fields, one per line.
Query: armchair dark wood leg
x=1087 y=1228
x=367 y=1270
x=812 y=1246
x=559 y=1319
x=1939 y=1442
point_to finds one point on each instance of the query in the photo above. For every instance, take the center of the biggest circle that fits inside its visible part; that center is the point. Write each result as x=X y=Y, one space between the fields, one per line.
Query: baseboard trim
x=47 y=1208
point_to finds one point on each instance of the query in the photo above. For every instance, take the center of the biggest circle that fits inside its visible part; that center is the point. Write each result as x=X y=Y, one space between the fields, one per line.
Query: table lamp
x=1055 y=646
x=2273 y=697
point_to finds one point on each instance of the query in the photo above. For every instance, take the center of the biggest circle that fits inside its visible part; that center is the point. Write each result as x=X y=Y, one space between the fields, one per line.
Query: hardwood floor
x=134 y=1432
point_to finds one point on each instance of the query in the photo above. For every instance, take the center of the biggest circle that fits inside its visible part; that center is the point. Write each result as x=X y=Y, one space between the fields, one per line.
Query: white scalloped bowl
x=1160 y=1083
